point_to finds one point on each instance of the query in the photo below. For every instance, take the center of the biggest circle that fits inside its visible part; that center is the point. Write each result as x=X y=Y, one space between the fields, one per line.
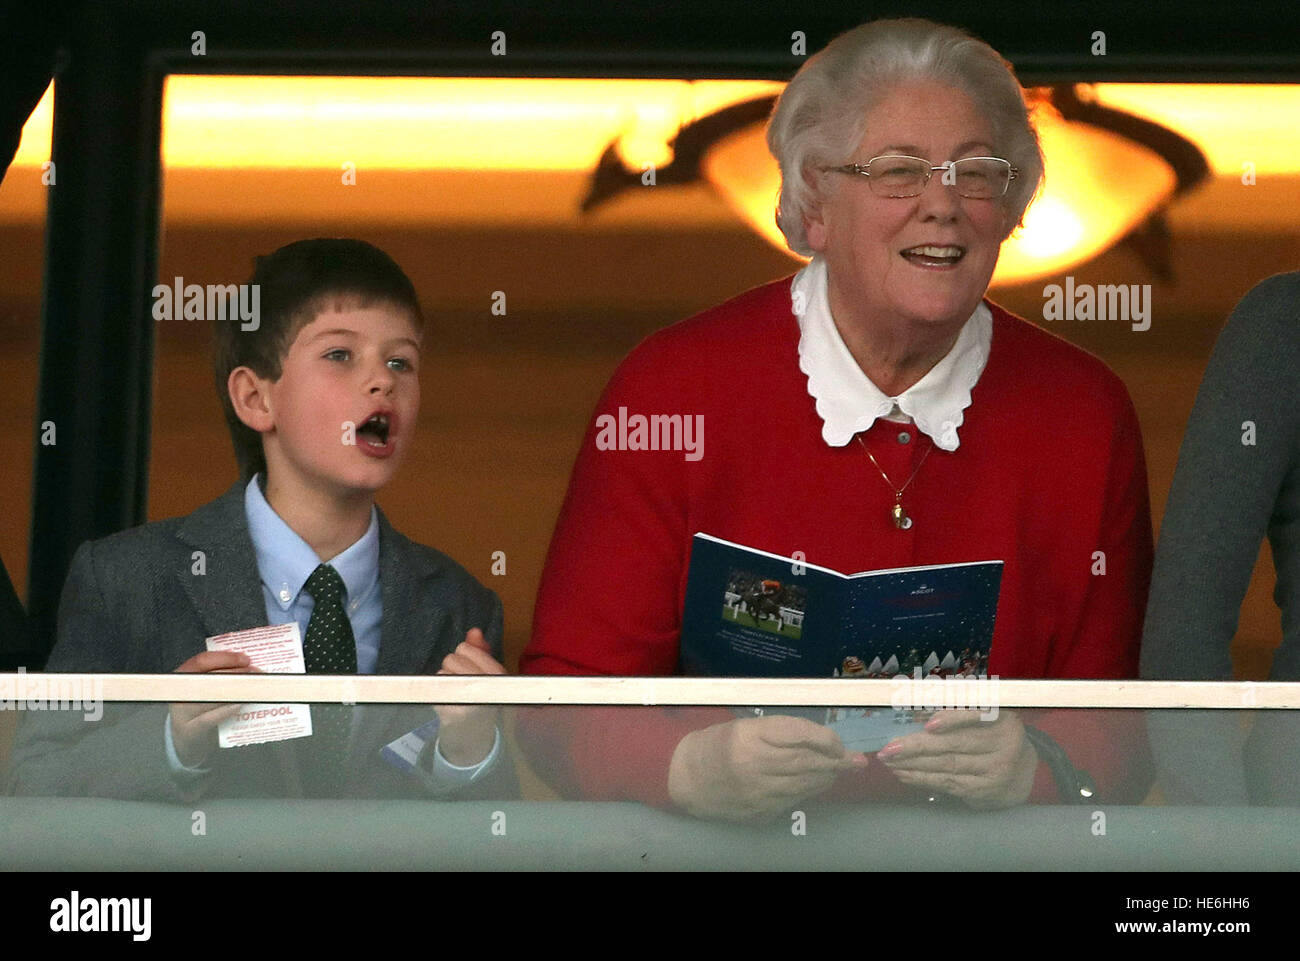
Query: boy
x=321 y=398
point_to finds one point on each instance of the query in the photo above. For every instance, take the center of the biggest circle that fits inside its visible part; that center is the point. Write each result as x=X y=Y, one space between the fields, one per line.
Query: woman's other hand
x=986 y=763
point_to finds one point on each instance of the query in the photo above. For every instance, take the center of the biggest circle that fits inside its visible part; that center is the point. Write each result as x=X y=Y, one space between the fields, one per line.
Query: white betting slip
x=275 y=650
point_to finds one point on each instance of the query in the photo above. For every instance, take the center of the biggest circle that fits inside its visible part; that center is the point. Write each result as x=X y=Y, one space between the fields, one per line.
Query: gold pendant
x=901 y=520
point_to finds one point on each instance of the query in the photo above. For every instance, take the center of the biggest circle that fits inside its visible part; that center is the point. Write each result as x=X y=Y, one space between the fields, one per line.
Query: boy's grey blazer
x=133 y=604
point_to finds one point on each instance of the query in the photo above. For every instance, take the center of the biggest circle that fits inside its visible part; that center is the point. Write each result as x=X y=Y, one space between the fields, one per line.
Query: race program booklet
x=750 y=613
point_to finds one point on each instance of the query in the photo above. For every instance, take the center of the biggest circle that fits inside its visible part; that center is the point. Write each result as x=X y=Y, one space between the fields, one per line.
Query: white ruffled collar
x=848 y=401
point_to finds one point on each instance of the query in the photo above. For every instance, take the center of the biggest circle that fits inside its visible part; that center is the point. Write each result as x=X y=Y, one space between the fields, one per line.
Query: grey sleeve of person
x=115 y=751
x=1238 y=479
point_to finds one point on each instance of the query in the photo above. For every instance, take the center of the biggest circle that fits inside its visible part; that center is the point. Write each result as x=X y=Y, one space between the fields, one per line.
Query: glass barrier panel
x=94 y=785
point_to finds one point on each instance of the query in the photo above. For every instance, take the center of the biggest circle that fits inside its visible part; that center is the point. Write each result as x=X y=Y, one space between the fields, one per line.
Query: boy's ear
x=251 y=398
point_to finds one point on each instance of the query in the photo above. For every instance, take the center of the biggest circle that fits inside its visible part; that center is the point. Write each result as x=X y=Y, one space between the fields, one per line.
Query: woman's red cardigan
x=1049 y=477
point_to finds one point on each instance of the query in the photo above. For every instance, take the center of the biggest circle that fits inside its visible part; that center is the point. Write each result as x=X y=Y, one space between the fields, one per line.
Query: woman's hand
x=757 y=767
x=987 y=764
x=466 y=731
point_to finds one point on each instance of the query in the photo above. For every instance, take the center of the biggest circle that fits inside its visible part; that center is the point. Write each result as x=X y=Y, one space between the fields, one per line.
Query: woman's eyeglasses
x=976 y=178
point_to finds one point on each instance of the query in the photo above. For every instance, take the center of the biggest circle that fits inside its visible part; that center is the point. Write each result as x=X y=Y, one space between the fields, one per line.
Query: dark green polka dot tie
x=329 y=648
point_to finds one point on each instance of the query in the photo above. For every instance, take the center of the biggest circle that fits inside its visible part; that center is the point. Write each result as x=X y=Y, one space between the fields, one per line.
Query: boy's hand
x=466 y=731
x=194 y=726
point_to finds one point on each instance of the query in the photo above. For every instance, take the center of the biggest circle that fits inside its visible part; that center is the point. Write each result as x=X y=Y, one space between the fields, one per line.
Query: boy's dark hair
x=296 y=283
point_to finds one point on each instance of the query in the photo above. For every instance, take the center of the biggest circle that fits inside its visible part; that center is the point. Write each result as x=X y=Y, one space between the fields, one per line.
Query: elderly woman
x=874 y=411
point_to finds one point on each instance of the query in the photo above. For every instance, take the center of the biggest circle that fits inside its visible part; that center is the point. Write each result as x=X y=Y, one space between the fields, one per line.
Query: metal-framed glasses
x=976 y=178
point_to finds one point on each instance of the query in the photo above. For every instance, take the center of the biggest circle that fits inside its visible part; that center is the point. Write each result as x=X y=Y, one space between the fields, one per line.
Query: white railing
x=698 y=691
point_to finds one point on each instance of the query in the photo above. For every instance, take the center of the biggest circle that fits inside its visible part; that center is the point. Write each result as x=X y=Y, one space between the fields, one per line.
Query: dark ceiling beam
x=1047 y=42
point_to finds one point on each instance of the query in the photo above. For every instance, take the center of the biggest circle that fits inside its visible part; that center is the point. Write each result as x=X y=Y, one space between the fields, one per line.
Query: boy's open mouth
x=375 y=430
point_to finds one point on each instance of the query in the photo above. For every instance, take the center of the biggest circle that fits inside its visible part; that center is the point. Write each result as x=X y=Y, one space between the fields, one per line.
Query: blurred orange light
x=1098 y=187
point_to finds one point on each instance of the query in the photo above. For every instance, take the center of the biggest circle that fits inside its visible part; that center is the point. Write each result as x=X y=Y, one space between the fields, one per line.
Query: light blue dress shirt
x=284 y=562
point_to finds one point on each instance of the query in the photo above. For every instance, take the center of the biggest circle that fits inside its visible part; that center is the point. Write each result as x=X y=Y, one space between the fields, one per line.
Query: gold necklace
x=901 y=520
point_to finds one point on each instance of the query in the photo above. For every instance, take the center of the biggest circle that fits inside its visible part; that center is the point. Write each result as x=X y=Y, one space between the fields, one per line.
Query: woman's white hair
x=821 y=116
